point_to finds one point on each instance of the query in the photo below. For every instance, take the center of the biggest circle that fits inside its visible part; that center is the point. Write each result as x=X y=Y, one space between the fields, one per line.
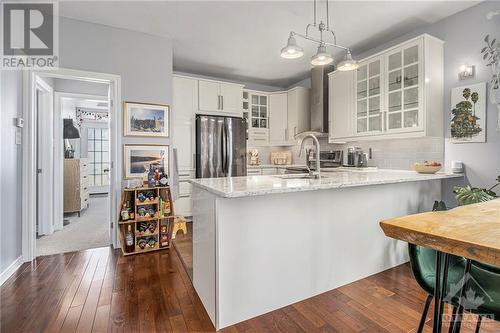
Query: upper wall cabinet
x=299 y=117
x=279 y=118
x=397 y=93
x=220 y=97
x=184 y=108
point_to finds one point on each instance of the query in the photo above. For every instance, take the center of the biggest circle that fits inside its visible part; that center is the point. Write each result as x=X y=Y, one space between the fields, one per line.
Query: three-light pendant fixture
x=292 y=50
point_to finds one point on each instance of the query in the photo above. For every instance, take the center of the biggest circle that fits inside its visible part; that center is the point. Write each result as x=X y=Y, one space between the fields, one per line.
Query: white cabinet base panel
x=252 y=255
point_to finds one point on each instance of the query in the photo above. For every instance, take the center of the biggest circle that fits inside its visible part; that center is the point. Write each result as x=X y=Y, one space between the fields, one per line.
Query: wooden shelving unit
x=151 y=233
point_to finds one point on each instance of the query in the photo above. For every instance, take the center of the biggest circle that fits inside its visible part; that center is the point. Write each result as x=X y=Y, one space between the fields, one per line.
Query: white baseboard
x=5 y=275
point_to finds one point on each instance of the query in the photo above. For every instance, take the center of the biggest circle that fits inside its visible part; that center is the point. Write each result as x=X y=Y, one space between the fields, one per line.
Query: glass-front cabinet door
x=404 y=80
x=259 y=111
x=369 y=99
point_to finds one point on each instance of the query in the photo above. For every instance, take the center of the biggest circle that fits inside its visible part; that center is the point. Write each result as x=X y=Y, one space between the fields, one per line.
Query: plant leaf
x=469 y=195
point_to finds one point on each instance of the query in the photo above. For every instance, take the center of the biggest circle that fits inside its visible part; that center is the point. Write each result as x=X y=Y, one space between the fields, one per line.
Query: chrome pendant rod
x=314 y=13
x=327 y=17
x=292 y=33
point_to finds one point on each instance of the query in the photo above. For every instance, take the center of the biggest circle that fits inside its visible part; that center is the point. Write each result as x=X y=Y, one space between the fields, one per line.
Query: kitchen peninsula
x=264 y=242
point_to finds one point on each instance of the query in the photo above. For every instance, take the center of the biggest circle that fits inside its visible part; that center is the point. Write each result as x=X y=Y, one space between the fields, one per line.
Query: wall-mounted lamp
x=466 y=72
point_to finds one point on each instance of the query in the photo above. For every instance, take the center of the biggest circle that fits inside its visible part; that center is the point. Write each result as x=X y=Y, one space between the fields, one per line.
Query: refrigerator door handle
x=224 y=149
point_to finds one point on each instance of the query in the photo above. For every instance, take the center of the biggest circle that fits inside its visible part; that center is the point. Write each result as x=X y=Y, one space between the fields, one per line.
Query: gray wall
x=143 y=61
x=10 y=170
x=463 y=34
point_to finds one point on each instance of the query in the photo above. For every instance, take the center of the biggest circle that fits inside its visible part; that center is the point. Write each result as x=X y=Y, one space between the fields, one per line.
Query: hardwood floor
x=183 y=244
x=100 y=291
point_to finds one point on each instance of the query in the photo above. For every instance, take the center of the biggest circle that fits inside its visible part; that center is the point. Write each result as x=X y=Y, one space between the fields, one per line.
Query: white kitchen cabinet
x=231 y=97
x=184 y=203
x=185 y=105
x=298 y=115
x=209 y=96
x=341 y=97
x=258 y=115
x=396 y=93
x=258 y=137
x=278 y=119
x=184 y=108
x=220 y=97
x=369 y=100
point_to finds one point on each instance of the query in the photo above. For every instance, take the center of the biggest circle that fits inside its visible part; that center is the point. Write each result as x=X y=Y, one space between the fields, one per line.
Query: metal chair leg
x=478 y=326
x=457 y=322
x=454 y=313
x=424 y=314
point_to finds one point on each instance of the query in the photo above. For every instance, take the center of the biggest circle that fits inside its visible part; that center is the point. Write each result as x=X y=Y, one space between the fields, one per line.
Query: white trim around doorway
x=29 y=150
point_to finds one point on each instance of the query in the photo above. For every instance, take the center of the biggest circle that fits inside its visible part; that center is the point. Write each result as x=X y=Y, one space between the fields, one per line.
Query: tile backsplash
x=386 y=154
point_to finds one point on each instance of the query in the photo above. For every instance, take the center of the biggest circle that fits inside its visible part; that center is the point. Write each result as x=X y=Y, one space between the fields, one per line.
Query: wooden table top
x=471 y=231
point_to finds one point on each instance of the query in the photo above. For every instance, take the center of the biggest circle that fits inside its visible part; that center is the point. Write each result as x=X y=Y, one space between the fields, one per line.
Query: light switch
x=19 y=136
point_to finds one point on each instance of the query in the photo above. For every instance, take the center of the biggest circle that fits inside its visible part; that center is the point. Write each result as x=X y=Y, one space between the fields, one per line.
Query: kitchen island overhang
x=263 y=242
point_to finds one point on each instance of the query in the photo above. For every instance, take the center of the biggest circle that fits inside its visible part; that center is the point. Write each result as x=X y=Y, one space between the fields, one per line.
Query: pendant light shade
x=321 y=57
x=348 y=64
x=292 y=50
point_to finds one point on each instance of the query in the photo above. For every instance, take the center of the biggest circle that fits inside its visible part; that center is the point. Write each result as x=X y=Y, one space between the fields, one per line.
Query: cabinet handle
x=218 y=102
x=294 y=131
x=222 y=102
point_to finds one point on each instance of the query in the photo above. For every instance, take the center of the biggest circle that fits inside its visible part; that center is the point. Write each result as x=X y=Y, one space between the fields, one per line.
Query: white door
x=231 y=98
x=277 y=118
x=209 y=96
x=185 y=104
x=45 y=157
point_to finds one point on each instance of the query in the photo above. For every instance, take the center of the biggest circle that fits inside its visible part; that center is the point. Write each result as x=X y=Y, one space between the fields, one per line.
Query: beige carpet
x=91 y=230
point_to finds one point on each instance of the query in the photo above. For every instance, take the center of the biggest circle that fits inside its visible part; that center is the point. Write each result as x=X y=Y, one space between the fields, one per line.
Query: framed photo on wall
x=151 y=120
x=138 y=158
x=468 y=114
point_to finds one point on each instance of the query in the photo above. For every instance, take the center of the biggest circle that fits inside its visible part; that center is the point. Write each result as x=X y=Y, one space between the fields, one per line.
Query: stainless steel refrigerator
x=221 y=146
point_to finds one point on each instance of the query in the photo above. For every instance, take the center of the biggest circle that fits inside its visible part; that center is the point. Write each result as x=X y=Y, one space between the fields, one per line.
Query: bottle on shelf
x=129 y=239
x=125 y=212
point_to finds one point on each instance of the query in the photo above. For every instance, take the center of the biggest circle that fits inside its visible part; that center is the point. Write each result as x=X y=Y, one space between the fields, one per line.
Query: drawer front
x=183 y=206
x=258 y=133
x=185 y=188
x=254 y=172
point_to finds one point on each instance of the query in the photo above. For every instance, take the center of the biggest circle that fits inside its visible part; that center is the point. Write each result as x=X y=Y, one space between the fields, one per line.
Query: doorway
x=81 y=206
x=74 y=139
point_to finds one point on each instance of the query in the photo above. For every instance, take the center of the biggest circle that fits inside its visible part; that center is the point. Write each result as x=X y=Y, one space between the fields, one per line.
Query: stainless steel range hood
x=318 y=102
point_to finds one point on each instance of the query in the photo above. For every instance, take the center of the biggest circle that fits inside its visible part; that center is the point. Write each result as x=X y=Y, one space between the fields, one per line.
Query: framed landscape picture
x=468 y=114
x=146 y=119
x=138 y=158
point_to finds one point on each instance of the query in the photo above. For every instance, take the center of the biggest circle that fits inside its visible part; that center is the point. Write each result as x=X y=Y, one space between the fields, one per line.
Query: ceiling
x=241 y=40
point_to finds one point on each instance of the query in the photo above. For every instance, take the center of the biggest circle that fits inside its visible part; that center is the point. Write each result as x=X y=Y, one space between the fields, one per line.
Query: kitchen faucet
x=313 y=174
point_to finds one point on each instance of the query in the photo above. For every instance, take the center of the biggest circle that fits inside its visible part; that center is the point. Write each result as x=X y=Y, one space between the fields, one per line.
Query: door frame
x=45 y=161
x=29 y=149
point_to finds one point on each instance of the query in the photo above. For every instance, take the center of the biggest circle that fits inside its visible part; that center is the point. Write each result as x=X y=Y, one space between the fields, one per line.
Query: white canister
x=457 y=166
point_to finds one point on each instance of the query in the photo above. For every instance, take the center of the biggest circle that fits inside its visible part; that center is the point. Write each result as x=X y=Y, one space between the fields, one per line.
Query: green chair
x=422 y=262
x=485 y=283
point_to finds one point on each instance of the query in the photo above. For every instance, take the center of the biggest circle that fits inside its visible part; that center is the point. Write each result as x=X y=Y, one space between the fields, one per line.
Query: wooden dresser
x=76 y=185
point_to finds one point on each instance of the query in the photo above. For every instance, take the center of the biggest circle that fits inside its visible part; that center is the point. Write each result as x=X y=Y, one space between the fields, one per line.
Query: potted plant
x=491 y=54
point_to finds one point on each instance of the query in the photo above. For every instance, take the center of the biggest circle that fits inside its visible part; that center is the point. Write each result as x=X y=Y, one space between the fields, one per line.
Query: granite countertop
x=235 y=187
x=277 y=166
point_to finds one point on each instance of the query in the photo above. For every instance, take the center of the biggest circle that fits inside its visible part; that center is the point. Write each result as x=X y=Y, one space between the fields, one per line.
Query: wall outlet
x=19 y=136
